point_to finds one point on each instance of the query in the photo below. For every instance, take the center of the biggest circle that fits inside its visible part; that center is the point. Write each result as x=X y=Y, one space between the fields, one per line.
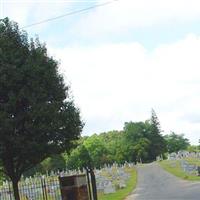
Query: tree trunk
x=16 y=189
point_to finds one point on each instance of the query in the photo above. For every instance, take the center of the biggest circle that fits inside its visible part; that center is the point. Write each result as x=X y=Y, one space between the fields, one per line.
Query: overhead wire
x=69 y=13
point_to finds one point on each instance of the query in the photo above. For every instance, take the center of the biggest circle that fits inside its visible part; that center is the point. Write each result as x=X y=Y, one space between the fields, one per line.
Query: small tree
x=37 y=116
x=158 y=145
x=176 y=142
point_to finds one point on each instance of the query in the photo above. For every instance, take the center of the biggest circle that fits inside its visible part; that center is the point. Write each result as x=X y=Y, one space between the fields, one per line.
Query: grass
x=174 y=168
x=122 y=193
x=193 y=161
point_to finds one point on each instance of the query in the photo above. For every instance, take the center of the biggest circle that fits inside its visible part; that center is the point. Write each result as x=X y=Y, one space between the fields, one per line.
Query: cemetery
x=183 y=155
x=183 y=164
x=109 y=180
x=42 y=126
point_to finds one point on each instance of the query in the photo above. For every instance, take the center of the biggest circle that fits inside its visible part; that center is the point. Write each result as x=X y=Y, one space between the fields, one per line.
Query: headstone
x=109 y=189
x=122 y=184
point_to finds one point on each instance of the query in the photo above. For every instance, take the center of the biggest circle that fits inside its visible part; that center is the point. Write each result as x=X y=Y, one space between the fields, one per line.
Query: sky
x=123 y=59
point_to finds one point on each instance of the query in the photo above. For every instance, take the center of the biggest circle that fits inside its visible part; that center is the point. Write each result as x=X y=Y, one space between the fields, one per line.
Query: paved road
x=154 y=183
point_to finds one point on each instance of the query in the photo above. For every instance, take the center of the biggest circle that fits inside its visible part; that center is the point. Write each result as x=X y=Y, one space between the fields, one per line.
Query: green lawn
x=122 y=193
x=174 y=168
x=193 y=161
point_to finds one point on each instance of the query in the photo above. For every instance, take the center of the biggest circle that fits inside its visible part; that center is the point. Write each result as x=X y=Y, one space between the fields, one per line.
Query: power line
x=70 y=13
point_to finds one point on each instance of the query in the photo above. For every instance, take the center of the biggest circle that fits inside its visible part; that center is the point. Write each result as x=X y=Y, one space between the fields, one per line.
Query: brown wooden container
x=74 y=187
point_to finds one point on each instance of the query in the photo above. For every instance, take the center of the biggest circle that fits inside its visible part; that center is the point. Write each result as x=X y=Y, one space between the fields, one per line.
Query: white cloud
x=26 y=12
x=114 y=83
x=122 y=82
x=16 y=11
x=123 y=15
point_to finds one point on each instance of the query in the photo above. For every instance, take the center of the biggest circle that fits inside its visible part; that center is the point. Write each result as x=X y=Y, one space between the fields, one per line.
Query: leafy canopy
x=176 y=142
x=37 y=116
x=144 y=139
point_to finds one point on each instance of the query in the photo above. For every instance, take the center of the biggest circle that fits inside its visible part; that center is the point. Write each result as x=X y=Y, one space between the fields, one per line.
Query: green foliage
x=53 y=163
x=2 y=175
x=141 y=149
x=144 y=139
x=176 y=142
x=115 y=145
x=139 y=141
x=158 y=145
x=79 y=158
x=37 y=116
x=136 y=140
x=91 y=153
x=97 y=150
x=105 y=148
x=193 y=148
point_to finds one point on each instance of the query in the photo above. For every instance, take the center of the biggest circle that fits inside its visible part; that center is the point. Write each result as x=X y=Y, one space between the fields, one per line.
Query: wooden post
x=89 y=186
x=93 y=181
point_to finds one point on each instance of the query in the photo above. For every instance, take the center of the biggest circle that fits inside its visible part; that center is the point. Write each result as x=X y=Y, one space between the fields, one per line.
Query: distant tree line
x=137 y=142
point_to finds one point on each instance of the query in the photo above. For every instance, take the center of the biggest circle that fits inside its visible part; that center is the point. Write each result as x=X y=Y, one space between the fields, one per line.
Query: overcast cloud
x=123 y=82
x=115 y=74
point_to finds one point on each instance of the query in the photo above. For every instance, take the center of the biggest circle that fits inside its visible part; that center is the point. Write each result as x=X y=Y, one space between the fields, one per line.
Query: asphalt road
x=154 y=183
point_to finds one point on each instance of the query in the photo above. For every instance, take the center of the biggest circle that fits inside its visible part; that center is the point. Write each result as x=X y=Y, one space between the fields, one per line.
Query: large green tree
x=116 y=146
x=137 y=140
x=176 y=142
x=91 y=149
x=97 y=150
x=79 y=158
x=54 y=163
x=37 y=115
x=144 y=139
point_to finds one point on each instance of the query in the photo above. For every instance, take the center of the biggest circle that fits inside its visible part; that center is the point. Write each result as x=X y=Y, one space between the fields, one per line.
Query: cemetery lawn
x=174 y=167
x=193 y=161
x=122 y=193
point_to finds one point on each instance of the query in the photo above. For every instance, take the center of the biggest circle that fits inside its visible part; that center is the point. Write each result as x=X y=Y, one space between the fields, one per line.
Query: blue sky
x=124 y=58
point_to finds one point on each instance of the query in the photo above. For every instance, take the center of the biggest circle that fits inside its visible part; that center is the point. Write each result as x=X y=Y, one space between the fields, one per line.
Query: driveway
x=154 y=183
